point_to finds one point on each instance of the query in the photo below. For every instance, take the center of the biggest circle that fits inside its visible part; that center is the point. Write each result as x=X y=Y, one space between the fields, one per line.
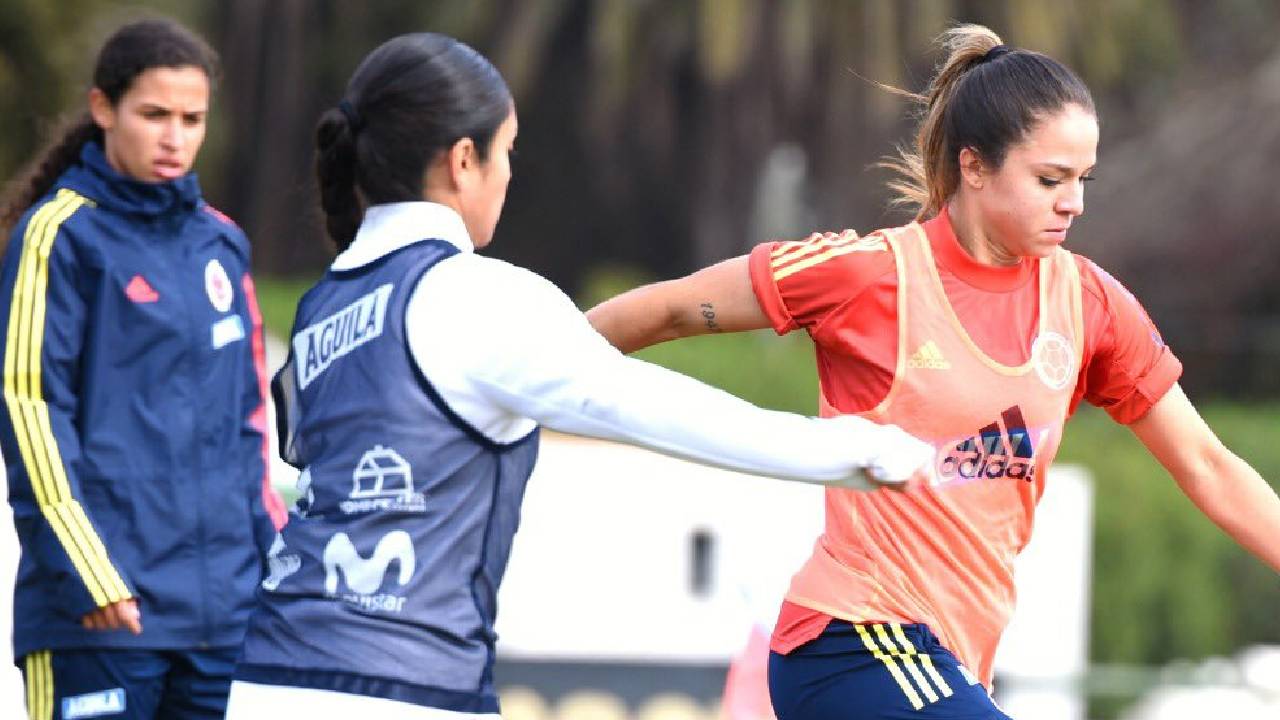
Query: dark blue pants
x=877 y=671
x=142 y=684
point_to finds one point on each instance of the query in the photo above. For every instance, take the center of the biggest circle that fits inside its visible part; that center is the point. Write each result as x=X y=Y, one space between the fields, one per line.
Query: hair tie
x=994 y=53
x=354 y=121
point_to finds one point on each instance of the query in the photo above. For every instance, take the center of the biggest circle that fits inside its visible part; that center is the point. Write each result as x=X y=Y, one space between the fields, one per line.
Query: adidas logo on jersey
x=1001 y=449
x=140 y=291
x=929 y=357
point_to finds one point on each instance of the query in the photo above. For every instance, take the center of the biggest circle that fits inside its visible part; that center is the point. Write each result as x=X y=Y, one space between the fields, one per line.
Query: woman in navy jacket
x=133 y=424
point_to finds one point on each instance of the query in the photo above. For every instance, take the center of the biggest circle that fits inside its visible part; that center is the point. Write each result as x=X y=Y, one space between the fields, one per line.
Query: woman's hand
x=117 y=615
x=892 y=458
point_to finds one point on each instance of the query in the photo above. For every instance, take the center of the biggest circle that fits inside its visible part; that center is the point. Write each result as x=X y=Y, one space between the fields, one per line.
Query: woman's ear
x=972 y=171
x=101 y=109
x=463 y=162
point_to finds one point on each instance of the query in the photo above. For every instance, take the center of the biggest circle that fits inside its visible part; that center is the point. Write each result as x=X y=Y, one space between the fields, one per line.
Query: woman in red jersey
x=974 y=329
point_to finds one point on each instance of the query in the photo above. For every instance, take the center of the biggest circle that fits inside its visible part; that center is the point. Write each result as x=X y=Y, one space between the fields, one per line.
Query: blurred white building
x=1246 y=687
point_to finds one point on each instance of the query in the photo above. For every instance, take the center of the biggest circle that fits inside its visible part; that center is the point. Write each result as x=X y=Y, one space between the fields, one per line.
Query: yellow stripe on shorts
x=40 y=685
x=924 y=659
x=909 y=661
x=912 y=696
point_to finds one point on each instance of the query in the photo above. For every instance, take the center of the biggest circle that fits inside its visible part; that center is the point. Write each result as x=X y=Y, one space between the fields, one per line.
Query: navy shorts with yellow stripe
x=876 y=671
x=125 y=684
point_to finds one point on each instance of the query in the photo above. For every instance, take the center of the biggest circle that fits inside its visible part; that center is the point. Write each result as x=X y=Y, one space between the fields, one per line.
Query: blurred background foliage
x=661 y=135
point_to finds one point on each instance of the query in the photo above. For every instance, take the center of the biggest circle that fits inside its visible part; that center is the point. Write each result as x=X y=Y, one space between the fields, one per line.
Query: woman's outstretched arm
x=1225 y=488
x=712 y=300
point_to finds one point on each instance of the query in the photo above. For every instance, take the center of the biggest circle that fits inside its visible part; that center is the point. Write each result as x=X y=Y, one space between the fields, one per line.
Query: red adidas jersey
x=847 y=302
x=843 y=292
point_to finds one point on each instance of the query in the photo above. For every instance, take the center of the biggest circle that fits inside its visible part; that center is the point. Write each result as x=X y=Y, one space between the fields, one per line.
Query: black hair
x=412 y=97
x=129 y=51
x=985 y=97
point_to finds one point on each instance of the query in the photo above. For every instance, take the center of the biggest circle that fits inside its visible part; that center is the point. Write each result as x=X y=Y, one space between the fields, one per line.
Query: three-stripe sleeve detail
x=29 y=413
x=789 y=258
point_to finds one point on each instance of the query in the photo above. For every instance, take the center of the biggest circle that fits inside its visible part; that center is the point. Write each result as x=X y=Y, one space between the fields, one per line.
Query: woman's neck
x=974 y=238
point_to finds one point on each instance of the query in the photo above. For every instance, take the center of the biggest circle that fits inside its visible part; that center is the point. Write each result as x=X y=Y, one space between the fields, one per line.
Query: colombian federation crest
x=218 y=285
x=1054 y=360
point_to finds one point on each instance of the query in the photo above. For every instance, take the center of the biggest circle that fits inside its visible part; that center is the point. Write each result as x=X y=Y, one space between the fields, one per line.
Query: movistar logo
x=316 y=347
x=1001 y=449
x=366 y=576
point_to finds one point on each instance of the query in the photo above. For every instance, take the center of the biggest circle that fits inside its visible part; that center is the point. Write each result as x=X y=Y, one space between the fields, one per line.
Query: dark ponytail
x=411 y=98
x=130 y=51
x=58 y=155
x=336 y=175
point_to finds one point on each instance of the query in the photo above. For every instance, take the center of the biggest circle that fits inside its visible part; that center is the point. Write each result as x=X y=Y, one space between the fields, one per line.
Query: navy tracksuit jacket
x=133 y=420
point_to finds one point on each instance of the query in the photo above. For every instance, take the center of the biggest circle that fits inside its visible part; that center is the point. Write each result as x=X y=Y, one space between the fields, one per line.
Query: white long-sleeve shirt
x=507 y=350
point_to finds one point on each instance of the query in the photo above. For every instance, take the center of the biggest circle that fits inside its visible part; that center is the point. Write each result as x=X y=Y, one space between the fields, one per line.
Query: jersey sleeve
x=1127 y=366
x=45 y=316
x=799 y=284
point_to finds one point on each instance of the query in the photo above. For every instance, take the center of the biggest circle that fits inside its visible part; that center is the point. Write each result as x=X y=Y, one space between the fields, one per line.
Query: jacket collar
x=94 y=178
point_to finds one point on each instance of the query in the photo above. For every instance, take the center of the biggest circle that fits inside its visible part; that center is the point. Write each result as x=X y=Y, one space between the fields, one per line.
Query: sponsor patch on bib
x=317 y=346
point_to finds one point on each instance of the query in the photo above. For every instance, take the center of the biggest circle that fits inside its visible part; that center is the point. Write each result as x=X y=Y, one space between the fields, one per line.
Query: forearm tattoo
x=709 y=316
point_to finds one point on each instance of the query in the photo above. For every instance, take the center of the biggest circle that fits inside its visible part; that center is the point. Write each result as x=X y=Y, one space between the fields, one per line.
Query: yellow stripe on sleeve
x=20 y=303
x=795 y=249
x=34 y=436
x=21 y=396
x=912 y=696
x=69 y=508
x=29 y=412
x=73 y=513
x=868 y=244
x=925 y=660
